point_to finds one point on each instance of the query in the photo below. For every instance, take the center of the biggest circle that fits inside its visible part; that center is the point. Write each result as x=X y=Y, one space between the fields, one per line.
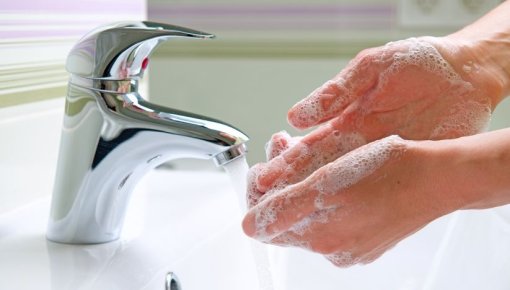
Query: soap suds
x=343 y=259
x=326 y=100
x=332 y=179
x=324 y=151
x=278 y=143
x=419 y=53
x=466 y=118
x=354 y=166
x=321 y=216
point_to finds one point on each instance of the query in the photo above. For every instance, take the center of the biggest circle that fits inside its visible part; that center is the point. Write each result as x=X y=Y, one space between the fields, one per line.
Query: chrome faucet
x=112 y=136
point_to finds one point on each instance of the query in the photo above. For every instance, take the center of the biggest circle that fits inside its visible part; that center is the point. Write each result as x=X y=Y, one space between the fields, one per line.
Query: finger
x=316 y=149
x=354 y=128
x=329 y=100
x=287 y=209
x=252 y=193
x=276 y=214
x=278 y=143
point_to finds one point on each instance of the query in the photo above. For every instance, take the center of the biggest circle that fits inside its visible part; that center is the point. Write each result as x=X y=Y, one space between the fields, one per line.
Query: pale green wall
x=251 y=94
x=501 y=116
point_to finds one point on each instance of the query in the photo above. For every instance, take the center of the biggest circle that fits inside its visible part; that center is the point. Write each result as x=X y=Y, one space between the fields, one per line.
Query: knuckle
x=366 y=55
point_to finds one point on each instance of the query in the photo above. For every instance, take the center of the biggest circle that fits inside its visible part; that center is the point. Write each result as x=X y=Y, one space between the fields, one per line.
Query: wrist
x=482 y=61
x=439 y=161
x=486 y=159
x=472 y=171
x=488 y=42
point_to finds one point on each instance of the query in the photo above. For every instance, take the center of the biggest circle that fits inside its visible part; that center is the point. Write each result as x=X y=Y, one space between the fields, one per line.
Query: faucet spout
x=112 y=136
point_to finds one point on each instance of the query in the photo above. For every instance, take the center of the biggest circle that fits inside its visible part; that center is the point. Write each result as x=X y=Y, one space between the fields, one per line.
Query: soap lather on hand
x=388 y=154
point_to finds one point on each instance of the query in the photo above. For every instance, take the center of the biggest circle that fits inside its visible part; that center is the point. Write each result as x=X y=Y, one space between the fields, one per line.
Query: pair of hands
x=347 y=190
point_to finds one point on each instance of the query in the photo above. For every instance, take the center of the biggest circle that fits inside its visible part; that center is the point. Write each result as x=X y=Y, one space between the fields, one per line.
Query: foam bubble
x=276 y=145
x=419 y=53
x=467 y=68
x=337 y=176
x=319 y=201
x=342 y=259
x=287 y=239
x=279 y=143
x=465 y=118
x=354 y=166
x=324 y=151
x=253 y=195
x=469 y=111
x=264 y=217
x=470 y=67
x=322 y=216
x=329 y=98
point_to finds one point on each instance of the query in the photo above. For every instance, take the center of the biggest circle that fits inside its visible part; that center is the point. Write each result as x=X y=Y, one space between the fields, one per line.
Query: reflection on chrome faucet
x=112 y=136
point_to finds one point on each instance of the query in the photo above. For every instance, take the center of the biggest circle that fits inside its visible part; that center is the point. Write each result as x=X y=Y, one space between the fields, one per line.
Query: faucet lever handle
x=120 y=51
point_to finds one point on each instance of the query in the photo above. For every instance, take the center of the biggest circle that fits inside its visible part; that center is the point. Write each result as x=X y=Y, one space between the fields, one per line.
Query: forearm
x=487 y=158
x=488 y=40
x=475 y=170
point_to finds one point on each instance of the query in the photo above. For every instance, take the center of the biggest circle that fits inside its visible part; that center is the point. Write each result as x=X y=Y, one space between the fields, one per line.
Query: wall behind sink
x=35 y=37
x=270 y=54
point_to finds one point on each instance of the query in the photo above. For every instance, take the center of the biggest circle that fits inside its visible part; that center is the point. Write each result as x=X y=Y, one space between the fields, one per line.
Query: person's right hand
x=420 y=88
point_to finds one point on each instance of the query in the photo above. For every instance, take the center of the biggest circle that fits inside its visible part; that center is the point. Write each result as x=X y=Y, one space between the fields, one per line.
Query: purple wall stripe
x=42 y=34
x=322 y=9
x=63 y=18
x=278 y=17
x=275 y=25
x=66 y=6
x=52 y=21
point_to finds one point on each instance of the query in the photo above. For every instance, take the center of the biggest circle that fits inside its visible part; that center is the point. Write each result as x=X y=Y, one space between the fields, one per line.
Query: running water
x=237 y=171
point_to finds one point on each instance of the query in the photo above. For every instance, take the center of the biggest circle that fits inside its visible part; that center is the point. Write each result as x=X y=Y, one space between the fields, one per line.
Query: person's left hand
x=354 y=209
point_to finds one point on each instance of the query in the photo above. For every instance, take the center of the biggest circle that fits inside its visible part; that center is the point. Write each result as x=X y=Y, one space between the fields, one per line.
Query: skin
x=408 y=190
x=417 y=181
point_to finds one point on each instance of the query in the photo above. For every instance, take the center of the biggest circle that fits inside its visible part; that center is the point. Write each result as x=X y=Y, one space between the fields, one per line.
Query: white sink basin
x=179 y=221
x=188 y=222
